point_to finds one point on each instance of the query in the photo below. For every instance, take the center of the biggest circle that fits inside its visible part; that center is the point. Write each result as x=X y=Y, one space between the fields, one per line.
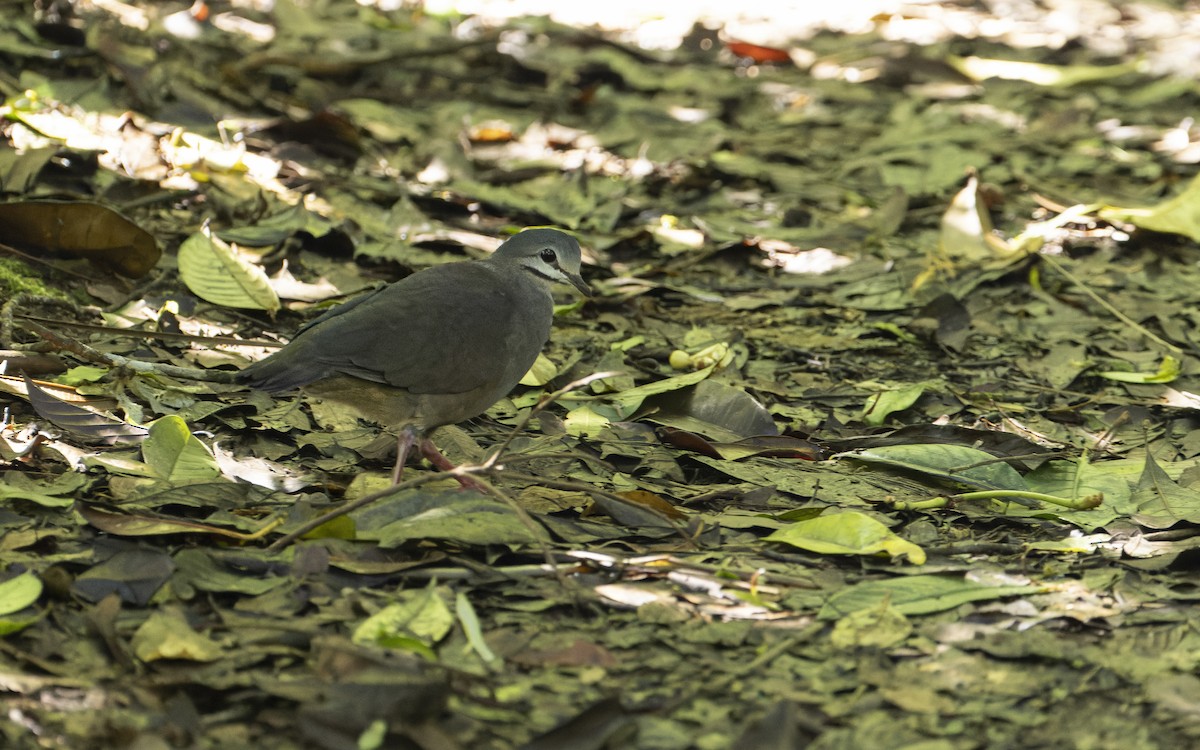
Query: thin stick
x=81 y=349
x=535 y=529
x=362 y=502
x=163 y=335
x=541 y=406
x=1110 y=308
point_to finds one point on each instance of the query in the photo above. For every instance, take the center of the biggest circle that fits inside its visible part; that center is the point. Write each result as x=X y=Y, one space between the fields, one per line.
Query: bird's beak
x=578 y=282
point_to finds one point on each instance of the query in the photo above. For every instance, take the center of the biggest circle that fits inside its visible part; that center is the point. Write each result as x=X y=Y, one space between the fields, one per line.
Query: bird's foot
x=435 y=457
x=407 y=438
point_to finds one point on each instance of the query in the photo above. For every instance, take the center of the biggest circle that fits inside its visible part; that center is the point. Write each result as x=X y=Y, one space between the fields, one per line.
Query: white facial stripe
x=540 y=268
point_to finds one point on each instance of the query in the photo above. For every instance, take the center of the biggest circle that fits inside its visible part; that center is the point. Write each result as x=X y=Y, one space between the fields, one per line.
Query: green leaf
x=1178 y=215
x=120 y=463
x=542 y=372
x=47 y=501
x=875 y=627
x=849 y=533
x=82 y=374
x=415 y=623
x=585 y=421
x=716 y=410
x=198 y=569
x=19 y=592
x=628 y=401
x=168 y=635
x=471 y=627
x=175 y=454
x=916 y=595
x=215 y=273
x=954 y=464
x=16 y=594
x=885 y=403
x=1167 y=371
x=1161 y=503
x=274 y=229
x=1076 y=479
x=372 y=738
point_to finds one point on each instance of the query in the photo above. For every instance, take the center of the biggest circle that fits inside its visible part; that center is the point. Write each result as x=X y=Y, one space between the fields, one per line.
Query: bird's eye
x=548 y=256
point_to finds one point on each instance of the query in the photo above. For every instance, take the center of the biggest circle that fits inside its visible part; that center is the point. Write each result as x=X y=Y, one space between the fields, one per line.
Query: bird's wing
x=448 y=329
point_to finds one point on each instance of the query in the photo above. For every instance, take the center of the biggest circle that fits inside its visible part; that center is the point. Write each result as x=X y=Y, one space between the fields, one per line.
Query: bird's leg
x=409 y=436
x=404 y=444
x=435 y=457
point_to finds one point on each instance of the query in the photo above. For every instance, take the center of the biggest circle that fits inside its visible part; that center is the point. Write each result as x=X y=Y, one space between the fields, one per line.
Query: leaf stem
x=1084 y=503
x=1110 y=308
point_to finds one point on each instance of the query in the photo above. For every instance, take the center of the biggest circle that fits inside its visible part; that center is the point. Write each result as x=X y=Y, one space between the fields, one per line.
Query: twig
x=1110 y=308
x=116 y=360
x=1020 y=497
x=538 y=531
x=143 y=334
x=33 y=259
x=472 y=570
x=362 y=502
x=539 y=407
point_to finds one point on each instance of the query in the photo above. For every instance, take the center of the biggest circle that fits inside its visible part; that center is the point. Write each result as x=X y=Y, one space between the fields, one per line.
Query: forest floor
x=896 y=445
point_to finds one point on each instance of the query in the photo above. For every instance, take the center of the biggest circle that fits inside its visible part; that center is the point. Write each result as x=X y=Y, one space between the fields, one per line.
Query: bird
x=438 y=347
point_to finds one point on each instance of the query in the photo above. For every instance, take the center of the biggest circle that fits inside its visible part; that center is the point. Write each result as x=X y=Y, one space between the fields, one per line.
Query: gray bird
x=435 y=348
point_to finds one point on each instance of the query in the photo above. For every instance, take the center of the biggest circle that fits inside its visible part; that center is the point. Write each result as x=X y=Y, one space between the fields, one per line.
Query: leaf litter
x=898 y=439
